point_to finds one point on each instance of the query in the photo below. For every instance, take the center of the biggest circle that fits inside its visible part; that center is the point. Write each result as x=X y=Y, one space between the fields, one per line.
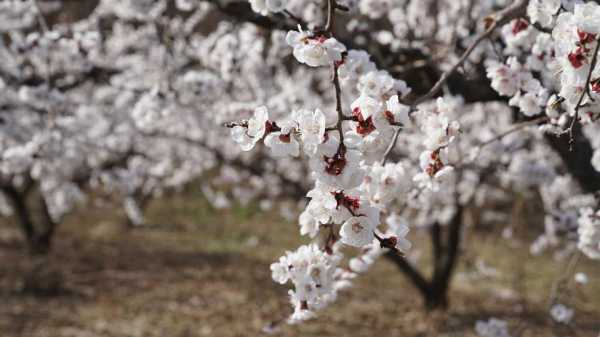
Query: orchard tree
x=385 y=159
x=122 y=100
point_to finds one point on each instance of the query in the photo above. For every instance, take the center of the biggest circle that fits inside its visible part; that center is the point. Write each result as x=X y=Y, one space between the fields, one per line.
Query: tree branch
x=390 y=147
x=410 y=271
x=492 y=22
x=586 y=91
x=435 y=233
x=515 y=128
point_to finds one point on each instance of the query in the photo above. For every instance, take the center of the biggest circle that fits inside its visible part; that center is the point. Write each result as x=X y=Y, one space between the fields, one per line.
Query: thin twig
x=565 y=277
x=331 y=6
x=388 y=151
x=539 y=27
x=510 y=12
x=294 y=17
x=45 y=30
x=515 y=128
x=515 y=10
x=586 y=91
x=338 y=103
x=48 y=71
x=389 y=243
x=40 y=17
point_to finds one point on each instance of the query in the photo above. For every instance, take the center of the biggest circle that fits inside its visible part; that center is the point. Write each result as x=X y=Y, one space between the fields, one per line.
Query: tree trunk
x=38 y=236
x=48 y=227
x=445 y=256
x=577 y=157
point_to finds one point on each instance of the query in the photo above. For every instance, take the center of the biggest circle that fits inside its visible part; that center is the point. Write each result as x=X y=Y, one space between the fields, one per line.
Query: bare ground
x=206 y=273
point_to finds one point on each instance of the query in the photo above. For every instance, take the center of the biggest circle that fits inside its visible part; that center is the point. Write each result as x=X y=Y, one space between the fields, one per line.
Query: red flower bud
x=519 y=25
x=585 y=37
x=576 y=58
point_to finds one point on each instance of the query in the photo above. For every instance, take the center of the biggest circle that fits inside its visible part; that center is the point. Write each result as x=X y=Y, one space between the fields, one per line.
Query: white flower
x=283 y=143
x=438 y=129
x=574 y=38
x=312 y=129
x=357 y=231
x=425 y=180
x=143 y=10
x=184 y=5
x=398 y=227
x=279 y=270
x=542 y=11
x=366 y=106
x=399 y=112
x=361 y=263
x=375 y=9
x=492 y=328
x=358 y=265
x=355 y=64
x=561 y=313
x=564 y=34
x=528 y=104
x=587 y=17
x=435 y=171
x=337 y=166
x=372 y=146
x=148 y=112
x=581 y=278
x=18 y=158
x=315 y=51
x=383 y=183
x=371 y=119
x=596 y=160
x=322 y=196
x=248 y=136
x=518 y=35
x=504 y=79
x=589 y=233
x=312 y=272
x=300 y=315
x=329 y=206
x=372 y=131
x=309 y=225
x=264 y=7
x=379 y=84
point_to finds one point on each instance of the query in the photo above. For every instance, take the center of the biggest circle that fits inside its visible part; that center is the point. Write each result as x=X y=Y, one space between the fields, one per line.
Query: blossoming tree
x=386 y=115
x=449 y=154
x=109 y=102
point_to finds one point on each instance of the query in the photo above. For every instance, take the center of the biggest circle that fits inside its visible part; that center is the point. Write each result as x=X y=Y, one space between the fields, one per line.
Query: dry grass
x=206 y=273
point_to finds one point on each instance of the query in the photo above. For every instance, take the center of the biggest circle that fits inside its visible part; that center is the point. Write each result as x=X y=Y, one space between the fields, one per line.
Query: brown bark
x=445 y=257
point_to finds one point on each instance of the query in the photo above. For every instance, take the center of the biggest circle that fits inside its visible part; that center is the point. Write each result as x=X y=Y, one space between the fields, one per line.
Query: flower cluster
x=129 y=100
x=552 y=68
x=439 y=131
x=315 y=50
x=492 y=328
x=516 y=80
x=575 y=41
x=352 y=185
x=265 y=7
x=589 y=233
x=561 y=314
x=541 y=62
x=316 y=278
